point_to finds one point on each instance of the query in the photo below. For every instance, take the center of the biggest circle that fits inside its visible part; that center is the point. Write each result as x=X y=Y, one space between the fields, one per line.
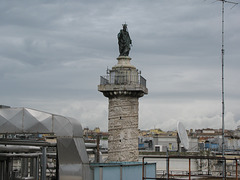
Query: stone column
x=123 y=88
x=123 y=129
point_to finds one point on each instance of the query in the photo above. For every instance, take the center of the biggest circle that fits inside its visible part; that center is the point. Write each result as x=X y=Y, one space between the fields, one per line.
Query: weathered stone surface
x=123 y=129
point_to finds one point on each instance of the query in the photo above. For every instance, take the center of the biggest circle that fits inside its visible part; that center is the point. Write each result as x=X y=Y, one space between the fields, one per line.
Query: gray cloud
x=53 y=52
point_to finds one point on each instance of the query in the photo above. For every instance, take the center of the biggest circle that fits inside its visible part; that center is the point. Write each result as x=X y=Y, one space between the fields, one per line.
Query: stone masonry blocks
x=123 y=129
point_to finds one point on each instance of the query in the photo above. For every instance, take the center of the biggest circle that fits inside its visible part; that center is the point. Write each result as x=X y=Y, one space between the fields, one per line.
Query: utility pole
x=223 y=105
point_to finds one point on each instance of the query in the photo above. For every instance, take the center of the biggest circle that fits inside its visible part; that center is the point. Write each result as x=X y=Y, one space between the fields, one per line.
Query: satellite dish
x=182 y=133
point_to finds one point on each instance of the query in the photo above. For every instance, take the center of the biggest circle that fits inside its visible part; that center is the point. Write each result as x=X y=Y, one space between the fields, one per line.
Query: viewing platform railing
x=123 y=80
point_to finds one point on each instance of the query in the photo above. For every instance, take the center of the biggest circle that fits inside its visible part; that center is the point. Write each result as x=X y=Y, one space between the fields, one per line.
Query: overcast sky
x=52 y=54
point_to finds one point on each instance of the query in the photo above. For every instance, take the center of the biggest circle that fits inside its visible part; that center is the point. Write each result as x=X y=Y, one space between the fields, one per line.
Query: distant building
x=162 y=143
x=158 y=140
x=91 y=135
x=211 y=139
x=145 y=143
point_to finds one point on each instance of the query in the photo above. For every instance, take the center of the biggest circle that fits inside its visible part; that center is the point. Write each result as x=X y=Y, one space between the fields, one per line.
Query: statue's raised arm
x=124 y=41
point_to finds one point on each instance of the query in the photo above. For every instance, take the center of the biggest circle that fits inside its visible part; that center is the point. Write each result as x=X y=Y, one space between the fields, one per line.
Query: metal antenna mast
x=223 y=105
